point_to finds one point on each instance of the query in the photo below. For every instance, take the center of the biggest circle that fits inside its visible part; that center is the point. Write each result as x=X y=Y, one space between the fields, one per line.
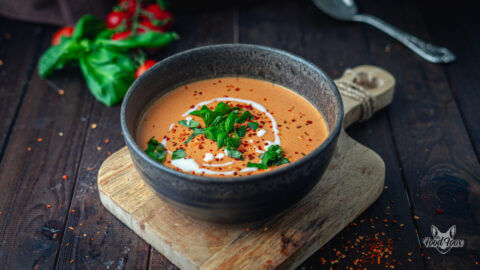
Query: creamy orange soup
x=279 y=117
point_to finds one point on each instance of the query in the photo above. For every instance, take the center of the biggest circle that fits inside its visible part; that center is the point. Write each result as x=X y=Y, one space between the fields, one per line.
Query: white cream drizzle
x=220 y=156
x=261 y=132
x=208 y=157
x=189 y=165
x=219 y=165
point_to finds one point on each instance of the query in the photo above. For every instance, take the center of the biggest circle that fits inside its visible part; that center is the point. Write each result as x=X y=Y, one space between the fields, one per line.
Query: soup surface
x=230 y=127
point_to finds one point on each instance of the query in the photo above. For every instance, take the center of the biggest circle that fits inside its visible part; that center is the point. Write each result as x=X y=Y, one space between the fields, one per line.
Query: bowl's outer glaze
x=234 y=199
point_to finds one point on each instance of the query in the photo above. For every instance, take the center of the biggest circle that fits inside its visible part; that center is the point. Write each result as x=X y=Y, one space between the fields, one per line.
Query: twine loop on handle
x=359 y=93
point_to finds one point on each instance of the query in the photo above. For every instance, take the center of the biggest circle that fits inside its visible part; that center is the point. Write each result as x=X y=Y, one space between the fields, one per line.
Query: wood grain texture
x=463 y=39
x=44 y=145
x=439 y=164
x=350 y=185
x=332 y=45
x=89 y=227
x=19 y=43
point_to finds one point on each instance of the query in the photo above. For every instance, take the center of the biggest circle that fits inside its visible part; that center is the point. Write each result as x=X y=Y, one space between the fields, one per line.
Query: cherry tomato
x=129 y=6
x=116 y=18
x=146 y=65
x=62 y=32
x=155 y=12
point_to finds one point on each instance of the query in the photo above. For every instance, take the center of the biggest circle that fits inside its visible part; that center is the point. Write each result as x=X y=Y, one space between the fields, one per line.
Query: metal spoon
x=347 y=10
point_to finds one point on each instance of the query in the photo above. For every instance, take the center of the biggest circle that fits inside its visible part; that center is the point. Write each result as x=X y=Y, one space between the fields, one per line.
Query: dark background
x=429 y=136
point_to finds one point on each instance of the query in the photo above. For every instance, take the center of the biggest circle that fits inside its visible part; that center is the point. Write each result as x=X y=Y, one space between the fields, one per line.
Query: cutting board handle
x=365 y=90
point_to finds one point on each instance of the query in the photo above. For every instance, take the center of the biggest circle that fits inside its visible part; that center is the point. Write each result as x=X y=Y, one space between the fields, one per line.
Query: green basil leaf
x=244 y=117
x=218 y=120
x=88 y=27
x=57 y=56
x=108 y=80
x=253 y=125
x=234 y=154
x=212 y=133
x=230 y=122
x=233 y=142
x=208 y=117
x=222 y=108
x=145 y=40
x=159 y=156
x=156 y=150
x=241 y=131
x=221 y=138
x=257 y=165
x=281 y=161
x=273 y=156
x=189 y=123
x=196 y=132
x=178 y=154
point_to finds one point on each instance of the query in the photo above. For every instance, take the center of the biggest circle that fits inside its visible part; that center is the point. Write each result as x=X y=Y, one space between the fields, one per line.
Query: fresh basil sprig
x=273 y=156
x=156 y=150
x=107 y=65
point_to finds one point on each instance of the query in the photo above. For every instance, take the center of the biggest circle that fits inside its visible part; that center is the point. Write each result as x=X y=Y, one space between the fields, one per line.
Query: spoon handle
x=426 y=50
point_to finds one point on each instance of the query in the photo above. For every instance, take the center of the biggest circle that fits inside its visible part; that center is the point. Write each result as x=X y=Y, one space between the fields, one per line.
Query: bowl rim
x=132 y=145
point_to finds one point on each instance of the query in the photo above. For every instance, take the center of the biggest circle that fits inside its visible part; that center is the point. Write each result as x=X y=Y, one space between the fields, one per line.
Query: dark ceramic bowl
x=245 y=198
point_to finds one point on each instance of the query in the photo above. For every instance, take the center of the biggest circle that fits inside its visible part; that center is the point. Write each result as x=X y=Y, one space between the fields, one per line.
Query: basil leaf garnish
x=196 y=132
x=230 y=121
x=273 y=156
x=189 y=123
x=253 y=125
x=178 y=154
x=156 y=150
x=234 y=154
x=241 y=131
x=244 y=117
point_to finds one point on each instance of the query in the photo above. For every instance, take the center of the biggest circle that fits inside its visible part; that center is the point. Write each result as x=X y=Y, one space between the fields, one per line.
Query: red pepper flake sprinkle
x=48 y=206
x=107 y=140
x=247 y=229
x=40 y=140
x=64 y=177
x=439 y=211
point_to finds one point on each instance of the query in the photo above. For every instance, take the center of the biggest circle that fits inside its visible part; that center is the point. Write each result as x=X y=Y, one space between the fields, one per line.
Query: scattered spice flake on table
x=94 y=126
x=40 y=140
x=61 y=92
x=64 y=177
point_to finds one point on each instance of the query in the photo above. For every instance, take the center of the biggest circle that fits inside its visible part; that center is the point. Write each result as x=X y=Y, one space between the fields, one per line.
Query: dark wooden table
x=52 y=145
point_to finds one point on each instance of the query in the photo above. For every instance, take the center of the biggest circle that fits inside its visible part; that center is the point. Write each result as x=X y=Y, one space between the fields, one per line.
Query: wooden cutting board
x=352 y=182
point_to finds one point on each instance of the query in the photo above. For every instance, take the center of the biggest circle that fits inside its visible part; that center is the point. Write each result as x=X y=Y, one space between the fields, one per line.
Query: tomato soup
x=230 y=126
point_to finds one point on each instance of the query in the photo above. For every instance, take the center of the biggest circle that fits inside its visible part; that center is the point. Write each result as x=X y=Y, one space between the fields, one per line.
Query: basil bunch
x=107 y=66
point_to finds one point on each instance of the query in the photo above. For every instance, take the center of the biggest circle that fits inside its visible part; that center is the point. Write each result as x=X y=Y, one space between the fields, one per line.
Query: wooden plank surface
x=44 y=145
x=19 y=48
x=432 y=143
x=442 y=18
x=390 y=217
